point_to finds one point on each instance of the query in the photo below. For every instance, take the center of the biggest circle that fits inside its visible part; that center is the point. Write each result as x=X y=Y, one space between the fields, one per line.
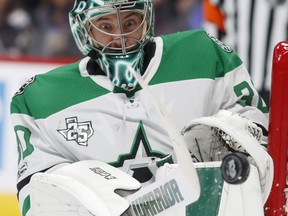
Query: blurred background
x=35 y=37
x=41 y=27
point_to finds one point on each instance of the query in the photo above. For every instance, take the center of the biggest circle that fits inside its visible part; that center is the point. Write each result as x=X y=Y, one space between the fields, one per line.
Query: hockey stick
x=184 y=160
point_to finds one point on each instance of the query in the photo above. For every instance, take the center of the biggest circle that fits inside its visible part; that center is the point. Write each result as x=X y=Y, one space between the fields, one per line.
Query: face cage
x=117 y=9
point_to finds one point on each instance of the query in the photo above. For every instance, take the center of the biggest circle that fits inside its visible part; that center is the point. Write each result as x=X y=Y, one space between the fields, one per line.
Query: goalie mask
x=114 y=33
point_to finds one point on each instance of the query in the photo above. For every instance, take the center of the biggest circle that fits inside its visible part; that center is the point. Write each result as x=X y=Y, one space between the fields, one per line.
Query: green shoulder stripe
x=193 y=55
x=54 y=91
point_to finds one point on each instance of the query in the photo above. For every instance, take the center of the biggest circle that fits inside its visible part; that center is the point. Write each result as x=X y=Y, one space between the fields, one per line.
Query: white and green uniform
x=67 y=115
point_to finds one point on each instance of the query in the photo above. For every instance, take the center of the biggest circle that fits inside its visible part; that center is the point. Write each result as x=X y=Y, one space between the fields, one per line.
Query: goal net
x=277 y=204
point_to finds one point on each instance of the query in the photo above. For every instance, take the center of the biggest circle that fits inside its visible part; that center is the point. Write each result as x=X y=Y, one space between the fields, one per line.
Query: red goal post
x=278 y=131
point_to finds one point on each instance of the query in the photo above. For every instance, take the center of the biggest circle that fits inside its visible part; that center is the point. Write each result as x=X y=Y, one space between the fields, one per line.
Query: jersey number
x=246 y=92
x=23 y=136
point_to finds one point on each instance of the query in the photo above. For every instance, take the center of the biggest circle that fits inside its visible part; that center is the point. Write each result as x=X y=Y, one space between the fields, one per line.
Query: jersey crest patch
x=220 y=43
x=23 y=87
x=76 y=131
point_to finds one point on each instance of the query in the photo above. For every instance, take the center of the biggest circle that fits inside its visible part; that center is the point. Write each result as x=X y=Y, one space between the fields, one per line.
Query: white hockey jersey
x=67 y=115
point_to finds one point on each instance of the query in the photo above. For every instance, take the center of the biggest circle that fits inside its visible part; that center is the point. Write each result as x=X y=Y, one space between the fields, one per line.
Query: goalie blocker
x=96 y=188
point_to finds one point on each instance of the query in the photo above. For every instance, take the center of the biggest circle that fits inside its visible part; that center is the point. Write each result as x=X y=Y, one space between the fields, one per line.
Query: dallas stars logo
x=136 y=161
x=76 y=131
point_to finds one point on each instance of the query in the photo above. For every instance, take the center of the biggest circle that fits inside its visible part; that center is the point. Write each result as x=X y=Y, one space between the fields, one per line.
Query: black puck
x=235 y=168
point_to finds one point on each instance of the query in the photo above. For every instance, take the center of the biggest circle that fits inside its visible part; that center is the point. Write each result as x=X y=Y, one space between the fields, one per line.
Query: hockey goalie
x=142 y=125
x=92 y=187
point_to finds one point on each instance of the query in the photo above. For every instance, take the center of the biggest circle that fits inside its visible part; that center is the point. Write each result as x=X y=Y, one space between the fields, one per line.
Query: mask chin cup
x=117 y=68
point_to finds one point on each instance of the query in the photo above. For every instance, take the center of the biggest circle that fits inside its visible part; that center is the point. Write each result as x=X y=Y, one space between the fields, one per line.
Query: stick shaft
x=182 y=154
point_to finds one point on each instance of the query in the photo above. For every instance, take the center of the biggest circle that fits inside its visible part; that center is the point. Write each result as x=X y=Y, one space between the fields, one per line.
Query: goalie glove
x=203 y=143
x=211 y=138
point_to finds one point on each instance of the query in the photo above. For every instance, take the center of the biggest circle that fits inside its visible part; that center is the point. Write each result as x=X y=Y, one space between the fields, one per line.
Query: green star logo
x=141 y=154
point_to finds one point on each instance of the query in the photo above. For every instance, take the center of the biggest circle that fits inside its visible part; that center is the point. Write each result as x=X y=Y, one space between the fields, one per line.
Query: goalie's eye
x=132 y=22
x=106 y=27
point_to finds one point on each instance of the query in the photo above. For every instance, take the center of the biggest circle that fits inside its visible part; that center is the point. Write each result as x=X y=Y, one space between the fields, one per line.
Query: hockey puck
x=235 y=168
